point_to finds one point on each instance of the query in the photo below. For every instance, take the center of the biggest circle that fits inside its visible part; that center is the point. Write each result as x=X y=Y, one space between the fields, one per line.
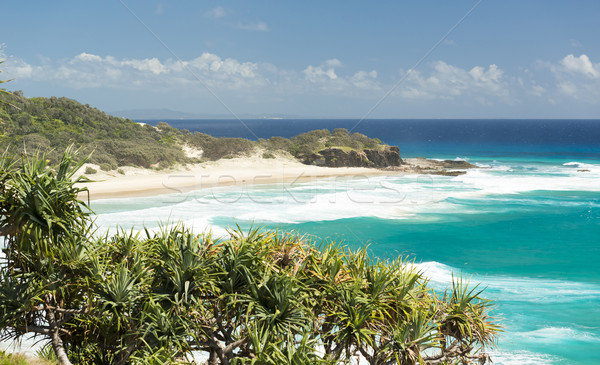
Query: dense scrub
x=33 y=124
x=256 y=297
x=314 y=141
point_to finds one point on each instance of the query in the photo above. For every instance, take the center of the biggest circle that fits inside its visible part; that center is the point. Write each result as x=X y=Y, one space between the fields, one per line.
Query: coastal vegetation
x=52 y=124
x=32 y=124
x=252 y=297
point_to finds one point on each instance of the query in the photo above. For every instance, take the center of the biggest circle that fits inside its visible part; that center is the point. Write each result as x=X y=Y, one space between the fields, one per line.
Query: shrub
x=268 y=155
x=90 y=170
x=216 y=148
x=105 y=167
x=43 y=123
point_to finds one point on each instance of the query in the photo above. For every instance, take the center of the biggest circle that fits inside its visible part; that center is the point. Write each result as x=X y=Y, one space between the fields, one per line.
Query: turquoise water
x=525 y=225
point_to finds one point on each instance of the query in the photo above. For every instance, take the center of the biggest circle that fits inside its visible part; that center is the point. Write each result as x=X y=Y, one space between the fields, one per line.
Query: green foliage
x=216 y=148
x=314 y=141
x=10 y=359
x=42 y=123
x=256 y=297
x=106 y=167
x=276 y=144
x=90 y=170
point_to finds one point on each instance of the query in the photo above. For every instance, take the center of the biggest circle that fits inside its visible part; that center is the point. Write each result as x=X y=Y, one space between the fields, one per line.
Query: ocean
x=526 y=224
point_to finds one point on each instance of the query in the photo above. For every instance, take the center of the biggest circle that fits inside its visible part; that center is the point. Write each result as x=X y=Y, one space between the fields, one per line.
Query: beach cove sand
x=251 y=170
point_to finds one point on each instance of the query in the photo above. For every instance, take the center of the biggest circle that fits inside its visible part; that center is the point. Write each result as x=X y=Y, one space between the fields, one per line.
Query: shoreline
x=252 y=170
x=138 y=182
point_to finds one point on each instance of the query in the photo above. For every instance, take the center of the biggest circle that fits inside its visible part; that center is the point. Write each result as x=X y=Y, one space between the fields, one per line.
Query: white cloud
x=153 y=65
x=334 y=62
x=325 y=79
x=448 y=81
x=581 y=65
x=87 y=70
x=322 y=73
x=567 y=80
x=568 y=88
x=216 y=65
x=260 y=27
x=577 y=78
x=19 y=69
x=365 y=80
x=87 y=57
x=318 y=74
x=216 y=13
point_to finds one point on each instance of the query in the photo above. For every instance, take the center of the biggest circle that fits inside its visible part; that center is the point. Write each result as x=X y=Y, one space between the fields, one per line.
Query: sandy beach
x=133 y=182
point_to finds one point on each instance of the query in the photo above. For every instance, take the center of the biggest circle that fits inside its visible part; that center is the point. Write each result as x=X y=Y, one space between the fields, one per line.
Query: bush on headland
x=259 y=297
x=52 y=124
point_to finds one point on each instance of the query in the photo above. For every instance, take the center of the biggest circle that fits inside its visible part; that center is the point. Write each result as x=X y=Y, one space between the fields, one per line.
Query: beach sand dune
x=236 y=171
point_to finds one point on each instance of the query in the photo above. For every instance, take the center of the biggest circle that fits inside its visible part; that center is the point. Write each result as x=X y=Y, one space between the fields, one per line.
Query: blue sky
x=507 y=59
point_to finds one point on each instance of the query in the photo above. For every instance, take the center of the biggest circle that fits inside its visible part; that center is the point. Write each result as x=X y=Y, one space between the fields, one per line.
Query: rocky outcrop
x=434 y=167
x=388 y=156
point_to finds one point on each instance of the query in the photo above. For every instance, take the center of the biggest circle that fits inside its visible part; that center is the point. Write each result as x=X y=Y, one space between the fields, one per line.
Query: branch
x=232 y=346
x=36 y=329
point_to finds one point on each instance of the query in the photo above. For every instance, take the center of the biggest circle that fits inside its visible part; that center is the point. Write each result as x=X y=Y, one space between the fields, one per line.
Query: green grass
x=20 y=359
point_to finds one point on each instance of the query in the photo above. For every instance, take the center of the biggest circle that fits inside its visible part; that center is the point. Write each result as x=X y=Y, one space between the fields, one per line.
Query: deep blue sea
x=526 y=224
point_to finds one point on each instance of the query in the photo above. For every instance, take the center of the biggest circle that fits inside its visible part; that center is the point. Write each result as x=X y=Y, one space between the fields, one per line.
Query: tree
x=256 y=297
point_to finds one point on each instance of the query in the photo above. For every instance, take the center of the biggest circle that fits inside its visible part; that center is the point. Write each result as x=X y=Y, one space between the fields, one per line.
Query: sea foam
x=386 y=197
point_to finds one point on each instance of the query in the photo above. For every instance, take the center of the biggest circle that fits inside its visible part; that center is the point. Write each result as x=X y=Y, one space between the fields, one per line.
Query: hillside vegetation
x=54 y=123
x=33 y=124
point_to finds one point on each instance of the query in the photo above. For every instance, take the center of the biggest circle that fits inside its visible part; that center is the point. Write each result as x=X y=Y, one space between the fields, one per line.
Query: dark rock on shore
x=387 y=158
x=454 y=164
x=435 y=167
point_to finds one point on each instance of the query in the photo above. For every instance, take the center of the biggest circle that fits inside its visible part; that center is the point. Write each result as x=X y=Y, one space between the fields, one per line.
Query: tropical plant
x=255 y=297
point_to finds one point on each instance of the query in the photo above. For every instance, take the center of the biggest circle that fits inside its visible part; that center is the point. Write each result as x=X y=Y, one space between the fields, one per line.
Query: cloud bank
x=574 y=77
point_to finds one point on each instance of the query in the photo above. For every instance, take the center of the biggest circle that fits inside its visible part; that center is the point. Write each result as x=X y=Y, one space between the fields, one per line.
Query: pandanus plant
x=251 y=297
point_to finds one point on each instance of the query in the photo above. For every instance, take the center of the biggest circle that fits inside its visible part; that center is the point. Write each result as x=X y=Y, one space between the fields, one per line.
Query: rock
x=455 y=164
x=448 y=173
x=585 y=170
x=434 y=167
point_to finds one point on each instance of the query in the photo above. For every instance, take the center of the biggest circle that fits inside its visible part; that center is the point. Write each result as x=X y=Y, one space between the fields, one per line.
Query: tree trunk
x=59 y=350
x=57 y=344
